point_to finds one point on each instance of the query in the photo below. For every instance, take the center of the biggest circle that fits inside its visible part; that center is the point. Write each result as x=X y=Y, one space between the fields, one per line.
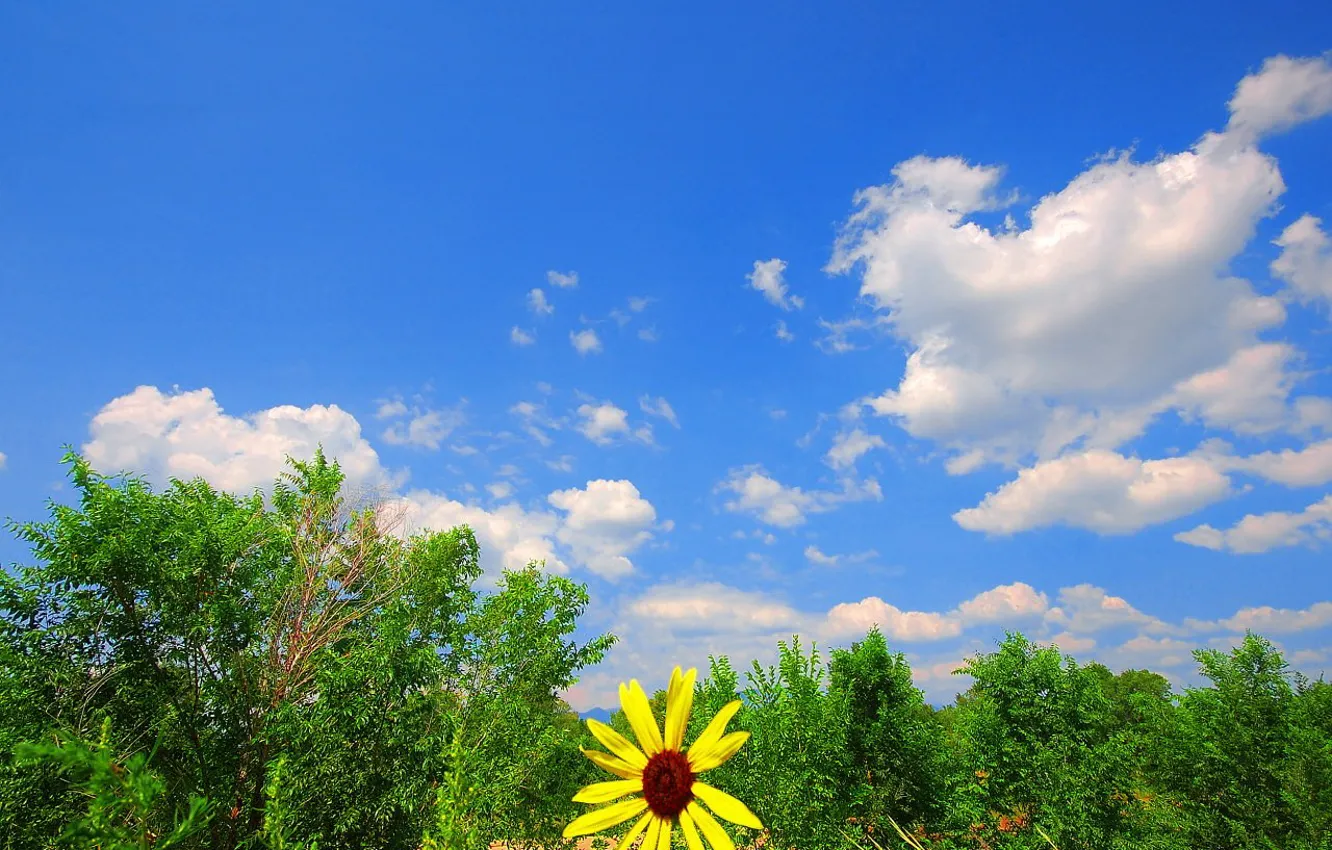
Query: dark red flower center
x=667 y=783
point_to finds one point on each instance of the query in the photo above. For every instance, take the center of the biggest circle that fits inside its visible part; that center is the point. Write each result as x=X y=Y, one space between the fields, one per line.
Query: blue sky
x=952 y=321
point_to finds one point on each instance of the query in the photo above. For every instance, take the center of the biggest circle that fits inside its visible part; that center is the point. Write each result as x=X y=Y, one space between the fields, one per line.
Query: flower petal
x=712 y=830
x=690 y=833
x=663 y=837
x=636 y=708
x=611 y=764
x=602 y=818
x=650 y=838
x=717 y=754
x=636 y=830
x=712 y=734
x=604 y=792
x=678 y=704
x=618 y=744
x=724 y=805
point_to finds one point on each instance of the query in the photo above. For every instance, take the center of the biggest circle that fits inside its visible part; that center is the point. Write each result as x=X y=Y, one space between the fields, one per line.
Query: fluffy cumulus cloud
x=187 y=435
x=585 y=341
x=757 y=493
x=1098 y=490
x=1285 y=92
x=1258 y=533
x=605 y=423
x=769 y=278
x=510 y=537
x=1085 y=608
x=854 y=619
x=1305 y=261
x=518 y=336
x=1016 y=340
x=603 y=524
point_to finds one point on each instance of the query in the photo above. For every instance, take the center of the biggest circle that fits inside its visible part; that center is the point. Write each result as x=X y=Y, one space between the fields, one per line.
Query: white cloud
x=606 y=521
x=1152 y=653
x=4 y=459
x=783 y=332
x=817 y=556
x=537 y=303
x=1264 y=619
x=768 y=277
x=186 y=434
x=564 y=280
x=777 y=413
x=426 y=429
x=390 y=409
x=585 y=341
x=518 y=336
x=1086 y=608
x=1257 y=533
x=535 y=421
x=776 y=504
x=509 y=537
x=638 y=304
x=563 y=464
x=1100 y=491
x=1067 y=642
x=464 y=450
x=1247 y=395
x=1004 y=603
x=854 y=619
x=500 y=489
x=1310 y=466
x=1015 y=336
x=850 y=446
x=1283 y=93
x=603 y=423
x=648 y=334
x=1305 y=261
x=659 y=407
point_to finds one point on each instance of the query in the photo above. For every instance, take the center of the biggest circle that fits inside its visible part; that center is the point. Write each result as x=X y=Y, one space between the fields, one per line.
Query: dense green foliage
x=193 y=669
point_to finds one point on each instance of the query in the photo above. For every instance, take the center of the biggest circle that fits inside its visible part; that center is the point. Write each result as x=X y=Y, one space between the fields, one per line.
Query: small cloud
x=426 y=429
x=777 y=413
x=638 y=304
x=465 y=451
x=544 y=388
x=390 y=409
x=648 y=334
x=4 y=459
x=783 y=332
x=816 y=557
x=564 y=280
x=768 y=278
x=563 y=464
x=500 y=489
x=660 y=407
x=621 y=318
x=537 y=303
x=585 y=342
x=848 y=447
x=518 y=336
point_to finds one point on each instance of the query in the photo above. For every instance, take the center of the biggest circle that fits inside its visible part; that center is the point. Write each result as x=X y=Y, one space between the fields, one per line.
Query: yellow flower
x=663 y=772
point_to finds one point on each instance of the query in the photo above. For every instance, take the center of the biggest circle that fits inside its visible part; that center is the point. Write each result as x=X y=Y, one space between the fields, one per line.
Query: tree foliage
x=191 y=669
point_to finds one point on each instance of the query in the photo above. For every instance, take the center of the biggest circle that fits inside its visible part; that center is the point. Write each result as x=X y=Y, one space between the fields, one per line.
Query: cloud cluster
x=183 y=435
x=1048 y=348
x=776 y=504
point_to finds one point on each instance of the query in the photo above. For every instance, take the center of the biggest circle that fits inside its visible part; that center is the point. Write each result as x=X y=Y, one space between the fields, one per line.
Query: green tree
x=893 y=738
x=240 y=633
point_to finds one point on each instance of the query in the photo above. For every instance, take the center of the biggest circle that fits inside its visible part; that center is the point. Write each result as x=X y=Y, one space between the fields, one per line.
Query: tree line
x=191 y=668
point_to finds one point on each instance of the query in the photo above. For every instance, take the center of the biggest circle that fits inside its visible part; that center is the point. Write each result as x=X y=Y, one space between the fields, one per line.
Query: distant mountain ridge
x=602 y=714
